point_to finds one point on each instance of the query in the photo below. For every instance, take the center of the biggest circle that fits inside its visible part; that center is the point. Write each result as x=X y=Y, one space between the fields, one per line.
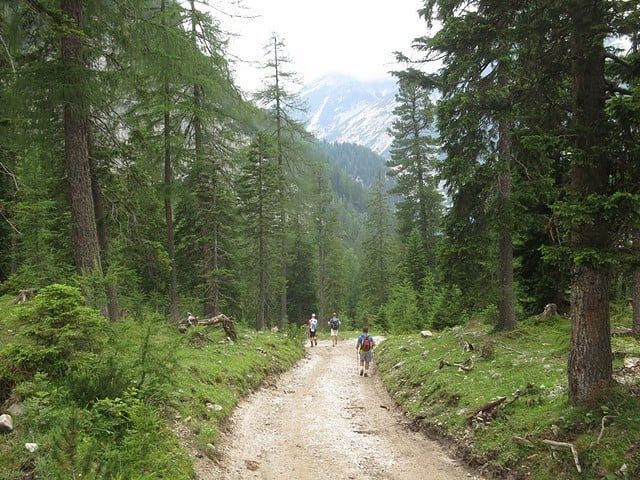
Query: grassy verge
x=106 y=409
x=439 y=383
x=215 y=375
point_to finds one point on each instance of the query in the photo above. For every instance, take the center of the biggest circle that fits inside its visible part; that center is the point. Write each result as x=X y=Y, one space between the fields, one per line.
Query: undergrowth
x=441 y=380
x=103 y=400
x=114 y=400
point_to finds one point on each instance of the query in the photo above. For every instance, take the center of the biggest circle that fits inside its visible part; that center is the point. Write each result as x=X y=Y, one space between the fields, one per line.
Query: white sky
x=352 y=37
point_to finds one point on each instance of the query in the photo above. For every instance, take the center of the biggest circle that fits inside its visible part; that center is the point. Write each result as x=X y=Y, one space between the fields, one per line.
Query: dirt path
x=321 y=420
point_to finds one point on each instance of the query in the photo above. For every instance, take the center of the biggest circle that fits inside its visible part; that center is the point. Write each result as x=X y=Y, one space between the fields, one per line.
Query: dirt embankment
x=321 y=420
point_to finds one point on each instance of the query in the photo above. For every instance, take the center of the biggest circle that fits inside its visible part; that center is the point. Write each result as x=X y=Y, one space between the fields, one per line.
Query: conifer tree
x=76 y=105
x=324 y=219
x=258 y=189
x=378 y=269
x=282 y=106
x=413 y=163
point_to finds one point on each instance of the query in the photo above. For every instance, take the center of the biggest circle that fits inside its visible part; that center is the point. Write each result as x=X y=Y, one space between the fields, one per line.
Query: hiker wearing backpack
x=334 y=323
x=364 y=347
x=312 y=326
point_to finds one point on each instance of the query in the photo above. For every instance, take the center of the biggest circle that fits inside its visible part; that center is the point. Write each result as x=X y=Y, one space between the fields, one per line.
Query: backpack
x=335 y=324
x=365 y=346
x=312 y=325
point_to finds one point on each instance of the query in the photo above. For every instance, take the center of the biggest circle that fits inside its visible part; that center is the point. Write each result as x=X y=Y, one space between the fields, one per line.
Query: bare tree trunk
x=322 y=260
x=168 y=210
x=635 y=294
x=590 y=363
x=506 y=306
x=262 y=294
x=207 y=200
x=113 y=309
x=590 y=360
x=83 y=223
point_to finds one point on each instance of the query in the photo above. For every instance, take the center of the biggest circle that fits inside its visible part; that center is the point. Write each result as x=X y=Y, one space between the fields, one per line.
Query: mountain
x=345 y=110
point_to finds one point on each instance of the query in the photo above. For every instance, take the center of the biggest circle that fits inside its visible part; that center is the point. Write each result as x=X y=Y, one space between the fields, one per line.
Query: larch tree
x=76 y=103
x=211 y=124
x=282 y=106
x=325 y=223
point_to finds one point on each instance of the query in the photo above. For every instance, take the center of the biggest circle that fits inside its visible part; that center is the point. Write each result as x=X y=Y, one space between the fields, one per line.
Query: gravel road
x=321 y=420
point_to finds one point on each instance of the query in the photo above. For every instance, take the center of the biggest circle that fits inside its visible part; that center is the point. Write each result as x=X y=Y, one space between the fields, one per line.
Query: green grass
x=214 y=375
x=527 y=367
x=111 y=415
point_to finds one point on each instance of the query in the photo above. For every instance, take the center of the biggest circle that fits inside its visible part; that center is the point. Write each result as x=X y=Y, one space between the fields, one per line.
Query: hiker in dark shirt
x=334 y=323
x=364 y=347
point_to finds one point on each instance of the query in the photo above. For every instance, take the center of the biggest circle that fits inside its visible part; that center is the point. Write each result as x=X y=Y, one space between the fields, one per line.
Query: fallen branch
x=25 y=295
x=558 y=445
x=522 y=441
x=222 y=319
x=467 y=365
x=512 y=350
x=226 y=322
x=604 y=419
x=481 y=411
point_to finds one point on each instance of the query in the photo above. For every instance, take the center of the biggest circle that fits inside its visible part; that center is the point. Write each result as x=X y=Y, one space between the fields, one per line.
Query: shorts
x=366 y=356
x=312 y=334
x=334 y=333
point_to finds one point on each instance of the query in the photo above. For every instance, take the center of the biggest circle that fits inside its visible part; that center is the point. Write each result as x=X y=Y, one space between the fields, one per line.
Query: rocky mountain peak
x=345 y=110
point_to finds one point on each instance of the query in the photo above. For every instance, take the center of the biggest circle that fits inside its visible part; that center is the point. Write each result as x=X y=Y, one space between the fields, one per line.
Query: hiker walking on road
x=364 y=347
x=312 y=326
x=334 y=323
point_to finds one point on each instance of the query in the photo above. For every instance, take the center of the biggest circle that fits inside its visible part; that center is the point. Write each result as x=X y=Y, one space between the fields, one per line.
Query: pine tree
x=413 y=163
x=475 y=116
x=590 y=360
x=76 y=123
x=378 y=272
x=282 y=107
x=258 y=189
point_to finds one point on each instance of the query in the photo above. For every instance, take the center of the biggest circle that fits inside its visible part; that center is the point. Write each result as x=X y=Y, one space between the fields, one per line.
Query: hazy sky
x=353 y=37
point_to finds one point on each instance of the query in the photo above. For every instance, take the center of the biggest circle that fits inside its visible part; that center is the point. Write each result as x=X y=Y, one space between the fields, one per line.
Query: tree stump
x=25 y=295
x=550 y=309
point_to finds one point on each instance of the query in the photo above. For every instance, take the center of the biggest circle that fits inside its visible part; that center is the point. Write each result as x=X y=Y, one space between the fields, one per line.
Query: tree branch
x=557 y=445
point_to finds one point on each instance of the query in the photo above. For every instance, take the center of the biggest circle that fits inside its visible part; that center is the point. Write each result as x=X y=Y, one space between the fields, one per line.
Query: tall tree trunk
x=113 y=309
x=283 y=221
x=506 y=305
x=262 y=245
x=322 y=277
x=590 y=360
x=168 y=212
x=635 y=294
x=168 y=193
x=86 y=249
x=207 y=200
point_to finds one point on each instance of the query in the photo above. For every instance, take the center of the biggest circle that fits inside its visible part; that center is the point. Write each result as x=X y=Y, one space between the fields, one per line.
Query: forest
x=135 y=169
